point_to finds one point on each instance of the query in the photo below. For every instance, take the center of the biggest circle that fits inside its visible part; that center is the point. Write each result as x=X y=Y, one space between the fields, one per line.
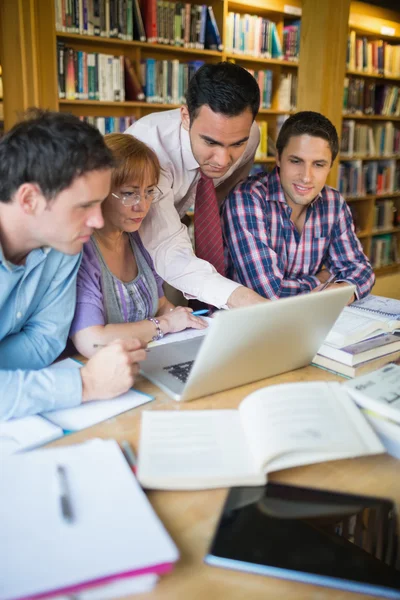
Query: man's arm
x=257 y=264
x=44 y=335
x=346 y=256
x=169 y=245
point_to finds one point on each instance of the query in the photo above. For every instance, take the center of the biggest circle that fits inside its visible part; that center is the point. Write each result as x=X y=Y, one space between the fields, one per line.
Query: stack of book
x=364 y=338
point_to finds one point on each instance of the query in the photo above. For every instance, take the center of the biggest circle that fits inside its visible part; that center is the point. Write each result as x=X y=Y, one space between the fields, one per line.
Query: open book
x=33 y=431
x=274 y=428
x=355 y=324
x=378 y=391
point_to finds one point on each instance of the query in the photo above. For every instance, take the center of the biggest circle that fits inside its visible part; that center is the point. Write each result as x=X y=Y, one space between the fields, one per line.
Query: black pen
x=129 y=455
x=65 y=495
x=331 y=279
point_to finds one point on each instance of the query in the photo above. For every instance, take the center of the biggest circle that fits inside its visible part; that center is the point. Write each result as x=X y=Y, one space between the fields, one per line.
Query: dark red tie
x=207 y=225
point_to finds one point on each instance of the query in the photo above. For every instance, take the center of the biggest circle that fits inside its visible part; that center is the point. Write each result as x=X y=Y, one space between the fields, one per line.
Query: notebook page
x=303 y=423
x=193 y=449
x=115 y=529
x=26 y=433
x=387 y=307
x=90 y=413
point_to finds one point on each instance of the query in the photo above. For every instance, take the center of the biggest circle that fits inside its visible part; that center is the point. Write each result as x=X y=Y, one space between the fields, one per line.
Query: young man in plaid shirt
x=286 y=232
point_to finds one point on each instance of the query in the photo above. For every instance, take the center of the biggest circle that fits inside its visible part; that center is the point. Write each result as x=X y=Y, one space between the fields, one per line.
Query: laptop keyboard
x=180 y=371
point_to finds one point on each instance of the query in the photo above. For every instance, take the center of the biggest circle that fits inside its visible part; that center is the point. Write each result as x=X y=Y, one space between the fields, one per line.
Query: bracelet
x=159 y=334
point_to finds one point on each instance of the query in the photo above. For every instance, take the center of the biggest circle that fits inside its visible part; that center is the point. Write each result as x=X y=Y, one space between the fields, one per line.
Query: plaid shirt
x=265 y=252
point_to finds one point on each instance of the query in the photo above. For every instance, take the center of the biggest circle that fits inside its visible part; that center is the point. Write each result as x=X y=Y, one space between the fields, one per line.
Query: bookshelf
x=372 y=141
x=28 y=32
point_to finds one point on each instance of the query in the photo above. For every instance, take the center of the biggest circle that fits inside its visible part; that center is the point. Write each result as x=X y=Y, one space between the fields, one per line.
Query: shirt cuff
x=67 y=389
x=216 y=293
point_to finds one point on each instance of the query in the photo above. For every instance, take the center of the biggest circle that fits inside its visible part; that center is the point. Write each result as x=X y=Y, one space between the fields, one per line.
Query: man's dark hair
x=50 y=149
x=311 y=123
x=225 y=87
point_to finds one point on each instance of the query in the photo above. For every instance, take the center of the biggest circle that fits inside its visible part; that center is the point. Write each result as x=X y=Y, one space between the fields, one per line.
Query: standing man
x=55 y=172
x=205 y=148
x=287 y=233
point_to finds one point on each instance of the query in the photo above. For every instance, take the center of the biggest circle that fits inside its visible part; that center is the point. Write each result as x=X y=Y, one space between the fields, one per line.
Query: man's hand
x=332 y=286
x=244 y=296
x=111 y=371
x=323 y=275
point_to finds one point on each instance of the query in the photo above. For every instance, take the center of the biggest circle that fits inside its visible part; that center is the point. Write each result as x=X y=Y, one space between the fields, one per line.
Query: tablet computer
x=325 y=538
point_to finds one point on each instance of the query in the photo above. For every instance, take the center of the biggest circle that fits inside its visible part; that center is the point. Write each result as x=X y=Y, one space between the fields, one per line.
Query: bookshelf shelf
x=366 y=158
x=96 y=103
x=266 y=160
x=372 y=196
x=387 y=270
x=260 y=60
x=362 y=117
x=383 y=230
x=116 y=42
x=373 y=75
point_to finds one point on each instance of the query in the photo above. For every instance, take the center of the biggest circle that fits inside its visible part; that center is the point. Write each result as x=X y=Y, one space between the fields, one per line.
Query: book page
x=302 y=423
x=352 y=327
x=378 y=391
x=193 y=449
x=387 y=307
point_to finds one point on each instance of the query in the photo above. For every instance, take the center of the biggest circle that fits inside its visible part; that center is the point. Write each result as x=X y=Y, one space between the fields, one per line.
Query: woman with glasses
x=119 y=295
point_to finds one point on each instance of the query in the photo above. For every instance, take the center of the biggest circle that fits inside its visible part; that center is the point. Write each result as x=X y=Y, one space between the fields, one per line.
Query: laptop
x=246 y=344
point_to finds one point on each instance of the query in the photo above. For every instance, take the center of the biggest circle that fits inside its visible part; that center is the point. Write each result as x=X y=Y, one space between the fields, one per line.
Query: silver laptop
x=246 y=344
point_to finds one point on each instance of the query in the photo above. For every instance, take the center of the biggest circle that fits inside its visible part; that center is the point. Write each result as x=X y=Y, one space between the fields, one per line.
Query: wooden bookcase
x=375 y=24
x=28 y=32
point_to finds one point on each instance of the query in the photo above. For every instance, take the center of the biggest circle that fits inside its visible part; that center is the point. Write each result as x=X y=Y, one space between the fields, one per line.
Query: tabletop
x=191 y=517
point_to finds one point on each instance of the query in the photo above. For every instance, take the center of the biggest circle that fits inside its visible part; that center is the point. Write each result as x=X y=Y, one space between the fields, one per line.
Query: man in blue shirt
x=55 y=171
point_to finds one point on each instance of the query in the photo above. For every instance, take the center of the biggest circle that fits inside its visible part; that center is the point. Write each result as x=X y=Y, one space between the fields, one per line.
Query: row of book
x=376 y=57
x=166 y=81
x=256 y=36
x=370 y=98
x=110 y=124
x=386 y=215
x=384 y=250
x=175 y=23
x=375 y=177
x=90 y=75
x=380 y=139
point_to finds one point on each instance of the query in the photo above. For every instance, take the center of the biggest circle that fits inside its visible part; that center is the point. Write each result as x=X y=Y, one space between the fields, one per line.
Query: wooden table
x=191 y=517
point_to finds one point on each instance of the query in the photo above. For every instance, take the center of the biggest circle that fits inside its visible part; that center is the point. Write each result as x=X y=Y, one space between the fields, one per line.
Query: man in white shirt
x=213 y=135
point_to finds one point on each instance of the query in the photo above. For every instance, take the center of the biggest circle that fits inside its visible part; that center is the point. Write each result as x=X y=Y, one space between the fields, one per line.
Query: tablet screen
x=326 y=538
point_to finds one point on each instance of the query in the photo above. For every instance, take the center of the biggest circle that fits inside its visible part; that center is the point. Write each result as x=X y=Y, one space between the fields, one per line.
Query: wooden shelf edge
x=366 y=157
x=387 y=270
x=271 y=61
x=372 y=196
x=373 y=75
x=362 y=117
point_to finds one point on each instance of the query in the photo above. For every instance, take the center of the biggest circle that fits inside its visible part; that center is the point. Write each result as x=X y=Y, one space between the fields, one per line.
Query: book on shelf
x=252 y=35
x=375 y=57
x=274 y=428
x=133 y=86
x=109 y=124
x=30 y=432
x=355 y=324
x=90 y=526
x=213 y=38
x=350 y=371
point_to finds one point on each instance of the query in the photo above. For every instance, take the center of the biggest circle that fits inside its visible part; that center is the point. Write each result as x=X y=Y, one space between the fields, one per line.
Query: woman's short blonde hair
x=135 y=162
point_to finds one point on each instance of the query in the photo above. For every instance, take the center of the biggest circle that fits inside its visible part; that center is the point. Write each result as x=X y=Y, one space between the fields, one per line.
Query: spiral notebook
x=379 y=305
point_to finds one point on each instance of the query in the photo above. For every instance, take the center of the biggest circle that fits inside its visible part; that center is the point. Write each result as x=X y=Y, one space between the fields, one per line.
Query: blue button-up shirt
x=37 y=303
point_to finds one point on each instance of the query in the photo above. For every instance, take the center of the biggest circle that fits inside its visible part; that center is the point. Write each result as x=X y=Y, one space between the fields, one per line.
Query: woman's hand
x=180 y=318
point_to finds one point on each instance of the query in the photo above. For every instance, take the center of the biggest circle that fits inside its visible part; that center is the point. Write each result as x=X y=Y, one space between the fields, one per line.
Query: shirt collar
x=44 y=251
x=275 y=189
x=187 y=155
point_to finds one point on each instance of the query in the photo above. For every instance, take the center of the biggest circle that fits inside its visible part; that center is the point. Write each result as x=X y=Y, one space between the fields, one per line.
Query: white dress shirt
x=162 y=232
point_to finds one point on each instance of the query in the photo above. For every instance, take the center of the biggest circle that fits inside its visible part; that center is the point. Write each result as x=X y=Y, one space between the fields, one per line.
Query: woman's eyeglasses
x=133 y=198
